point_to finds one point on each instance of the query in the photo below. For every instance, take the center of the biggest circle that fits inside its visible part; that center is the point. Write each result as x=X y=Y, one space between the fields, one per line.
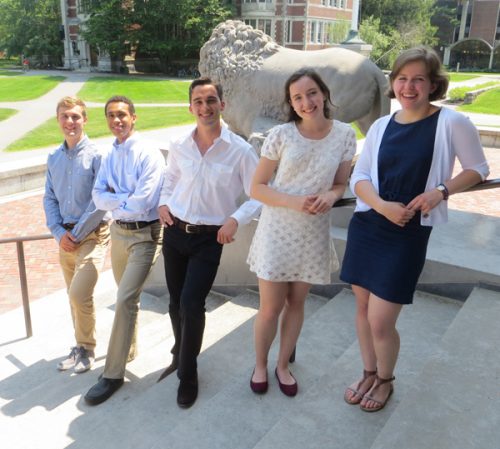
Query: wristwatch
x=444 y=191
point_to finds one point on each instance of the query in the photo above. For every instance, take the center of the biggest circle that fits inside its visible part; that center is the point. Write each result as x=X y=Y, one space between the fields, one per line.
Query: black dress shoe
x=102 y=390
x=187 y=393
x=169 y=370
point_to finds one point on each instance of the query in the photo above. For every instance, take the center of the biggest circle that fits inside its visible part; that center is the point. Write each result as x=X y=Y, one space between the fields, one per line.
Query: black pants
x=191 y=263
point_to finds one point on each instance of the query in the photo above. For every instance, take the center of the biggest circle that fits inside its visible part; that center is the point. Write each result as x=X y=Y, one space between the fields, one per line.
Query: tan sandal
x=358 y=394
x=380 y=404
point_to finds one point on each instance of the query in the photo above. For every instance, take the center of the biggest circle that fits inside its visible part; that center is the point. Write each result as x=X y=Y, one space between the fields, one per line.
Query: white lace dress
x=289 y=245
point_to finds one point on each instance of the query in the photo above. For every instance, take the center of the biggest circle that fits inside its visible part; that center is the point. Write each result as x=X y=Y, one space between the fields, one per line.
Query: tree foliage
x=167 y=29
x=31 y=27
x=393 y=25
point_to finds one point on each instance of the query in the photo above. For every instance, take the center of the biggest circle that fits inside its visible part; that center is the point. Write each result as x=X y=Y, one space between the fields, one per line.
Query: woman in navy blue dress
x=402 y=181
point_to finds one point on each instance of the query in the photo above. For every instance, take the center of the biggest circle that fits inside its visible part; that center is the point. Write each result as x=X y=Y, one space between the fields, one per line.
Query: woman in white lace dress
x=310 y=157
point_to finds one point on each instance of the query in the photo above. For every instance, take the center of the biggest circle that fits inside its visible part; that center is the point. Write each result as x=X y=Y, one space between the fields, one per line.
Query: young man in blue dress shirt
x=128 y=185
x=207 y=172
x=77 y=225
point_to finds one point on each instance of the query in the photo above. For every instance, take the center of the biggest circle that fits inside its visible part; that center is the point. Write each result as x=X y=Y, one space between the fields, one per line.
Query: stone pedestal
x=355 y=43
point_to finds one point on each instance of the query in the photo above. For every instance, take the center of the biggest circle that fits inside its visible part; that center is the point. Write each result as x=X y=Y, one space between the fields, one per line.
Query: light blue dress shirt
x=129 y=181
x=68 y=190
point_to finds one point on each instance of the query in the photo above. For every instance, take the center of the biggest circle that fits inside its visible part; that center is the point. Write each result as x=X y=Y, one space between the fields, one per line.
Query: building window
x=288 y=31
x=264 y=25
x=313 y=31
x=86 y=6
x=319 y=37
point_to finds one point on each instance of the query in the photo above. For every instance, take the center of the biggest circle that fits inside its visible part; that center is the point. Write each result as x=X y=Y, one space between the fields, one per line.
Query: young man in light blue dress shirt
x=128 y=185
x=77 y=225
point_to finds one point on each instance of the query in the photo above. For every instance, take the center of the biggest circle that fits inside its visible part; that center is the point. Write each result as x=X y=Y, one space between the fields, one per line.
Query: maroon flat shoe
x=288 y=390
x=258 y=387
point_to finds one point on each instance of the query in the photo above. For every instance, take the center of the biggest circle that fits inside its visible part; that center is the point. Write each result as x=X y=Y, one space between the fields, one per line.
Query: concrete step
x=242 y=418
x=454 y=400
x=219 y=365
x=321 y=418
x=38 y=383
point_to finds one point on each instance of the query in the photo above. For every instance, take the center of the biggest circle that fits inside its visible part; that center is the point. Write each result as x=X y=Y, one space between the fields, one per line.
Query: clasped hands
x=313 y=204
x=400 y=214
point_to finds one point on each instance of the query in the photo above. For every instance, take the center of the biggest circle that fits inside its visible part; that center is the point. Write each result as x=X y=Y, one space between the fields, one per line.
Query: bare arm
x=325 y=201
x=261 y=191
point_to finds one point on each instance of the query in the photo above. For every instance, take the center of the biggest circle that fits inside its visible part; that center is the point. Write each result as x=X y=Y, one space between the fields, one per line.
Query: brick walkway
x=26 y=217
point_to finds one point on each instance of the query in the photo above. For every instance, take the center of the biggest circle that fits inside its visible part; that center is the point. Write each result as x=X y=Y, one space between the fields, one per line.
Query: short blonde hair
x=435 y=70
x=70 y=102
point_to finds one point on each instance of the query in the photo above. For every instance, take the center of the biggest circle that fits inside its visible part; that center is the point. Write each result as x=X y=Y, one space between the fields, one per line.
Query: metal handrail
x=485 y=185
x=22 y=274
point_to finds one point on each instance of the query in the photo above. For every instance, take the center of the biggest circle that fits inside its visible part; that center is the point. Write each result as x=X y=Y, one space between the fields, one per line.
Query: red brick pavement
x=25 y=217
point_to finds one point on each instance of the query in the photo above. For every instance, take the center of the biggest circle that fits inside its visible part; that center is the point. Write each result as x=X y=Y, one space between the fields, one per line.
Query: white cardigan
x=456 y=136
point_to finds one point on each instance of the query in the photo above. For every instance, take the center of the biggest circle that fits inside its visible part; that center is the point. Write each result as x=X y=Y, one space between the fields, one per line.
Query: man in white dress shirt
x=207 y=171
x=128 y=184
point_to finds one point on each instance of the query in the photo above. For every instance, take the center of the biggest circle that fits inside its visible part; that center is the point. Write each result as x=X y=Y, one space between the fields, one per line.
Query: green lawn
x=6 y=113
x=100 y=89
x=359 y=134
x=147 y=118
x=486 y=103
x=11 y=62
x=9 y=73
x=456 y=77
x=18 y=88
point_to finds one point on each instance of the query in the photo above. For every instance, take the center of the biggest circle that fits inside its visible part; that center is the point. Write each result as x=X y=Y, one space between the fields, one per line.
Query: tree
x=31 y=27
x=109 y=27
x=393 y=25
x=167 y=29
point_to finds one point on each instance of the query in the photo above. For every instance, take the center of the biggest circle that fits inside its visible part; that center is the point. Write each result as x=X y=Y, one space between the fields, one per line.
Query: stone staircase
x=446 y=391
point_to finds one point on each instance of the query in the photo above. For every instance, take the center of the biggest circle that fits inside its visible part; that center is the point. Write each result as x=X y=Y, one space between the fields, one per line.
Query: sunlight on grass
x=359 y=134
x=457 y=77
x=19 y=88
x=486 y=103
x=147 y=118
x=6 y=113
x=100 y=89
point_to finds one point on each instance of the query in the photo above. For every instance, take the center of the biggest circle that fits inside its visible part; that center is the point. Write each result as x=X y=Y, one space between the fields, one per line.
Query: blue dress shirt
x=68 y=190
x=129 y=181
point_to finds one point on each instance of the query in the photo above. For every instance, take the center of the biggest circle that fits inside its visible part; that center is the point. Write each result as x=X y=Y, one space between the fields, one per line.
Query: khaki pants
x=80 y=270
x=133 y=253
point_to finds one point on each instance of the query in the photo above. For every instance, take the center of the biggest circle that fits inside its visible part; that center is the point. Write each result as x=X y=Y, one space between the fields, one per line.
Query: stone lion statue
x=252 y=69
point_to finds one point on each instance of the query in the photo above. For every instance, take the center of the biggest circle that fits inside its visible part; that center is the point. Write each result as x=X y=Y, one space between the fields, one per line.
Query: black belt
x=189 y=228
x=70 y=226
x=134 y=224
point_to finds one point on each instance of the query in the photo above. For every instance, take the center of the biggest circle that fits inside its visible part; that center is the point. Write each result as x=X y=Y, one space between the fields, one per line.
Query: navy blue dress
x=380 y=256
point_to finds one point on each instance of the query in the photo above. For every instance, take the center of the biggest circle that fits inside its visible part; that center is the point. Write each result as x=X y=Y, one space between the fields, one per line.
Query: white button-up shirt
x=205 y=189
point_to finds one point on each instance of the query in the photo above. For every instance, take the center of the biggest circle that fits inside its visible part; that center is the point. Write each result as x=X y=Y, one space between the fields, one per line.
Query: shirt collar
x=79 y=146
x=224 y=135
x=128 y=142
